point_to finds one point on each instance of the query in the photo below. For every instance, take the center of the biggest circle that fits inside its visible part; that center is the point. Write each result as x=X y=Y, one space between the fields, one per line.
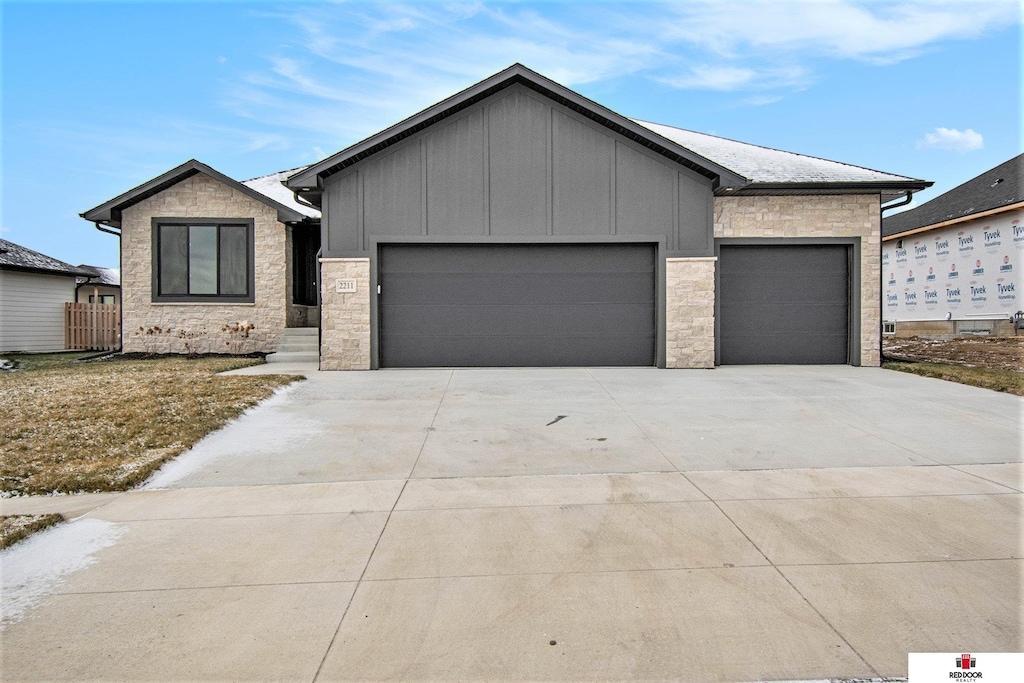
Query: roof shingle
x=995 y=188
x=16 y=257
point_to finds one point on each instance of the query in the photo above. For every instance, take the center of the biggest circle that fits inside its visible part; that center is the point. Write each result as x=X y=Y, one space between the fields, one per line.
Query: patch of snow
x=767 y=165
x=36 y=567
x=272 y=186
x=197 y=457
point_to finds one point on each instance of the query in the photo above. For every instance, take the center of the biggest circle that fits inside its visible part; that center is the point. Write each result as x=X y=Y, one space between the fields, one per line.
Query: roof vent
x=996 y=182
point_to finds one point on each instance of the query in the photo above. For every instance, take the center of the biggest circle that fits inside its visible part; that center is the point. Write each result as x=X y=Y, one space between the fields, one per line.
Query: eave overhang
x=308 y=184
x=109 y=213
x=889 y=188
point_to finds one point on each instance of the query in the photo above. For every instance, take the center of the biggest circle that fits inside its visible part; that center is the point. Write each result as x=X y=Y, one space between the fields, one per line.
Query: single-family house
x=516 y=223
x=953 y=265
x=98 y=286
x=33 y=290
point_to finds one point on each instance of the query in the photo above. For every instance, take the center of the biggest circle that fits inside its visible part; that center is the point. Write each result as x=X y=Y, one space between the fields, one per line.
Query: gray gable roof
x=98 y=275
x=109 y=212
x=308 y=182
x=764 y=165
x=272 y=186
x=998 y=187
x=16 y=257
x=734 y=166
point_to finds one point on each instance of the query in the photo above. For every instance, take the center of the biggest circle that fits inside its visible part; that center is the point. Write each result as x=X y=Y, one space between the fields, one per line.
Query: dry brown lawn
x=107 y=425
x=13 y=528
x=988 y=362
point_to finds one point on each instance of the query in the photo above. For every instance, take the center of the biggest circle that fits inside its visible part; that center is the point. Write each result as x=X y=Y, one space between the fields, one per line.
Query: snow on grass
x=33 y=569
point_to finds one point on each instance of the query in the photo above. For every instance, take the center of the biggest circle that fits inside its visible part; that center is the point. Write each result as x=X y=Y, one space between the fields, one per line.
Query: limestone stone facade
x=856 y=216
x=345 y=316
x=202 y=327
x=690 y=312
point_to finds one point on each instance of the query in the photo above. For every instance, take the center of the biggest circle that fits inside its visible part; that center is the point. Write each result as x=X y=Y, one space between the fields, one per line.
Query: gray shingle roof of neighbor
x=997 y=187
x=102 y=276
x=272 y=186
x=766 y=165
x=16 y=257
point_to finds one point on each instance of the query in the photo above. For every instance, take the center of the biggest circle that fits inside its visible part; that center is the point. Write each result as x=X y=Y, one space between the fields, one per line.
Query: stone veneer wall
x=345 y=318
x=818 y=216
x=200 y=325
x=690 y=312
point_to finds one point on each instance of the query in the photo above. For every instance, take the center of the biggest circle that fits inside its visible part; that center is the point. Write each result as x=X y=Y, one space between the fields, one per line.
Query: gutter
x=881 y=280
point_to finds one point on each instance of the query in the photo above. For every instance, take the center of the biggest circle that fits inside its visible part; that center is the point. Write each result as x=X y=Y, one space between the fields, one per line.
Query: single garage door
x=784 y=304
x=517 y=305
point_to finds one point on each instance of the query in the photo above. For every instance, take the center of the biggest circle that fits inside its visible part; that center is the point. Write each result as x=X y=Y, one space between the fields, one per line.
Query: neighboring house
x=99 y=285
x=516 y=223
x=33 y=291
x=953 y=265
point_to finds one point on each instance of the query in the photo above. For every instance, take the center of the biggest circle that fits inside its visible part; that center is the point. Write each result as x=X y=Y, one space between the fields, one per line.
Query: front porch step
x=293 y=357
x=297 y=345
x=302 y=344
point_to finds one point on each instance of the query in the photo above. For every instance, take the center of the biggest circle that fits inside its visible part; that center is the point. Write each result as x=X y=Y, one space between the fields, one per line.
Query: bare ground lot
x=72 y=427
x=990 y=362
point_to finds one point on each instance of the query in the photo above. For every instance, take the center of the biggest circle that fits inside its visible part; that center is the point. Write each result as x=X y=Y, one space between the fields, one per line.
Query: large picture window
x=203 y=260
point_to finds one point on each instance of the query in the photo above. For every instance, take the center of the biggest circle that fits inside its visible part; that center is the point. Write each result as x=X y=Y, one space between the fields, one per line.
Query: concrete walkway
x=741 y=524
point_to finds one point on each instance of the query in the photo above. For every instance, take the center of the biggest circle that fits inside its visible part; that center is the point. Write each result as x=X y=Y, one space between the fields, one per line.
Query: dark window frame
x=102 y=297
x=250 y=239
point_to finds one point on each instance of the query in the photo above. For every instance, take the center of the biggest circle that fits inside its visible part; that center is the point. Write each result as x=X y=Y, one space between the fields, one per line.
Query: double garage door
x=517 y=305
x=595 y=304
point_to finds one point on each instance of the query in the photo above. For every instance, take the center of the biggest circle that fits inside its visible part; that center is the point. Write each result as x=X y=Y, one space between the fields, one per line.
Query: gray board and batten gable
x=517 y=165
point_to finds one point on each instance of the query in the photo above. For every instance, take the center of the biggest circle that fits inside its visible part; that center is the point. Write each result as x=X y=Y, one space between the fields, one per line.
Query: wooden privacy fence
x=93 y=327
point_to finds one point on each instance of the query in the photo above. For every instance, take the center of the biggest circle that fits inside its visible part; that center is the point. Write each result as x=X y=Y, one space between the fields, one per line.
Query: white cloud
x=727 y=78
x=346 y=70
x=881 y=32
x=952 y=139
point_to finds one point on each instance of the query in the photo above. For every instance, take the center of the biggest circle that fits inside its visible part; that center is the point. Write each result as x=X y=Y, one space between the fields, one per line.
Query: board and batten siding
x=32 y=311
x=519 y=165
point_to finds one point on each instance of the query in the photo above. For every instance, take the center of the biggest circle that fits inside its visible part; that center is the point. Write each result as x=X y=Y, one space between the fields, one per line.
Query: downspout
x=120 y=266
x=319 y=311
x=881 y=280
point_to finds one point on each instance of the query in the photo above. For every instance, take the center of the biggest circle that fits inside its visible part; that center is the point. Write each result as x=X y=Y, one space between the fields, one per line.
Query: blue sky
x=99 y=97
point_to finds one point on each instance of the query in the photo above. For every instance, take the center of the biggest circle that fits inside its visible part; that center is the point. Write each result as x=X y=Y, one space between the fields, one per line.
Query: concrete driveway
x=741 y=524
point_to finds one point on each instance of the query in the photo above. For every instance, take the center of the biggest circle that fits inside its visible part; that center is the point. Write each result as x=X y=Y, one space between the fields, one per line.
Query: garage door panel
x=811 y=349
x=785 y=319
x=489 y=320
x=809 y=288
x=518 y=351
x=517 y=258
x=517 y=305
x=513 y=288
x=784 y=304
x=785 y=259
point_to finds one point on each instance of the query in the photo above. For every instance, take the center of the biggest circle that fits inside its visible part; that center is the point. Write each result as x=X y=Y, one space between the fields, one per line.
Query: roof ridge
x=775 y=149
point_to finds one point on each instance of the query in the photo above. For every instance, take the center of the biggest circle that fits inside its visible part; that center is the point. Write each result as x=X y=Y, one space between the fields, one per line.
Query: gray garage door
x=517 y=305
x=784 y=304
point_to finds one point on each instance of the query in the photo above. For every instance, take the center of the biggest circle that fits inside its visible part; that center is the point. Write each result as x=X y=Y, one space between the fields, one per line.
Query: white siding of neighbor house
x=85 y=291
x=32 y=311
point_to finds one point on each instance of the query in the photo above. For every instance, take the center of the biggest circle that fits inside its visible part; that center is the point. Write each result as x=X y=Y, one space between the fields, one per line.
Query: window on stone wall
x=203 y=260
